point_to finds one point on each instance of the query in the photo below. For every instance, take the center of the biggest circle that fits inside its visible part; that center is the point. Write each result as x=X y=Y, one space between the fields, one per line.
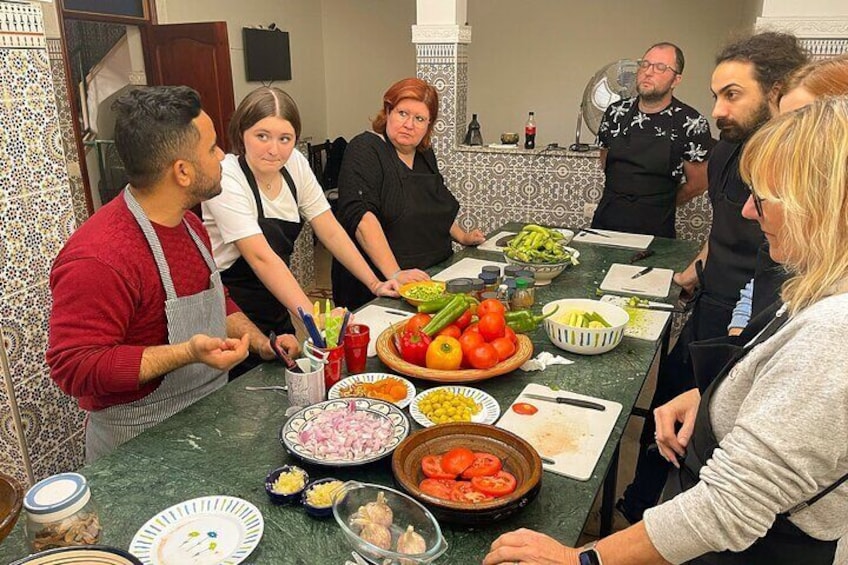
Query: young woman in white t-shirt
x=267 y=188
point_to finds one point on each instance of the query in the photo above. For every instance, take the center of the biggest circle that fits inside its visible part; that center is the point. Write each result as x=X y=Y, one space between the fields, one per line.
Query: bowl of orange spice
x=382 y=386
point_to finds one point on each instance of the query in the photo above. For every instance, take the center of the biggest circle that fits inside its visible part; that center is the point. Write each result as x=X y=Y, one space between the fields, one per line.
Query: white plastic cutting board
x=615 y=239
x=572 y=437
x=378 y=318
x=656 y=283
x=644 y=324
x=465 y=268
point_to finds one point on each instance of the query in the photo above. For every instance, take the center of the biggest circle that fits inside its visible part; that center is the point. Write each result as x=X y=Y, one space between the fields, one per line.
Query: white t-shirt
x=232 y=215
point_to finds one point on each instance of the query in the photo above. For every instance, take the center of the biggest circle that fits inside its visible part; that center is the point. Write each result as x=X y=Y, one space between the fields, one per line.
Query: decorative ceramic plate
x=336 y=391
x=290 y=434
x=201 y=531
x=82 y=555
x=489 y=408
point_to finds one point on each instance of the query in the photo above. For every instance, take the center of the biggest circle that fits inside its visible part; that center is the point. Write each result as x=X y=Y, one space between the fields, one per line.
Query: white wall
x=367 y=47
x=539 y=54
x=301 y=18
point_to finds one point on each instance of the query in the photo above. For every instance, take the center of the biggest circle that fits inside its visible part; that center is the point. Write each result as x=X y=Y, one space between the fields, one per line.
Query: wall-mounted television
x=266 y=54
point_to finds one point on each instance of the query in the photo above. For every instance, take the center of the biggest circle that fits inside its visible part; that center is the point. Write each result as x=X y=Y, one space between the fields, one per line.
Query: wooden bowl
x=518 y=456
x=11 y=501
x=405 y=290
x=388 y=354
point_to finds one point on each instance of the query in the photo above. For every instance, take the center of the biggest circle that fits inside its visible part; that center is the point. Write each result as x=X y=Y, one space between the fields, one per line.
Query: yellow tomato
x=444 y=354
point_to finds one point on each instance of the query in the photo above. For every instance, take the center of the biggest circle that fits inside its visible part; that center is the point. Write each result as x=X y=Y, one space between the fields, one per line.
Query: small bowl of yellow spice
x=285 y=485
x=319 y=496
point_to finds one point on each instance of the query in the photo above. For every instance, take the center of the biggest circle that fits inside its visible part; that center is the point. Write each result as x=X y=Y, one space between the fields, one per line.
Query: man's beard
x=736 y=132
x=653 y=95
x=203 y=188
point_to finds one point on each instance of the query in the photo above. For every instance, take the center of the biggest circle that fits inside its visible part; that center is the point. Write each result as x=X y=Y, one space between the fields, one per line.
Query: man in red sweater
x=141 y=325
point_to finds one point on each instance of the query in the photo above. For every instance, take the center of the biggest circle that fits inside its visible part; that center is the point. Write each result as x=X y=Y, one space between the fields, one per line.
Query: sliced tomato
x=498 y=485
x=524 y=409
x=439 y=488
x=457 y=460
x=432 y=467
x=485 y=464
x=463 y=491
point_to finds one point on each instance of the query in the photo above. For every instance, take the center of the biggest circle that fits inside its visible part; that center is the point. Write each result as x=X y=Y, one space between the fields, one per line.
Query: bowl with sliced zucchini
x=586 y=327
x=541 y=250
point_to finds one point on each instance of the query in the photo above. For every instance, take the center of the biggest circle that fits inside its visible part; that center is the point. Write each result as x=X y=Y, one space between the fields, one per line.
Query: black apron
x=256 y=301
x=419 y=236
x=769 y=276
x=784 y=543
x=639 y=191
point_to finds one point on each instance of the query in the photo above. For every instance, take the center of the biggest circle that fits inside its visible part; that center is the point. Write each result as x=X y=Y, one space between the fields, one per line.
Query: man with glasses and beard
x=141 y=325
x=746 y=84
x=654 y=150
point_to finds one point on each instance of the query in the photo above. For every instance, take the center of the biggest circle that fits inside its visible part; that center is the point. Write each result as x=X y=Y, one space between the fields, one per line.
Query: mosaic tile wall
x=40 y=428
x=553 y=187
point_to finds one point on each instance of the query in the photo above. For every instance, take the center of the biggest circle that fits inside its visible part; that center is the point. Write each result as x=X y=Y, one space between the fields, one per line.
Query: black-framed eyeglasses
x=659 y=67
x=758 y=201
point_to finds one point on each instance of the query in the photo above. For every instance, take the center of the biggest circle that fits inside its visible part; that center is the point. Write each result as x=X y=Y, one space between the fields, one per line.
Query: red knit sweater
x=109 y=303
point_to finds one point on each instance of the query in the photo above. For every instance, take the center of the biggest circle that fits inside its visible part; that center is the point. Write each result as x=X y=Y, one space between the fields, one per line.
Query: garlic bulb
x=377 y=512
x=411 y=542
x=377 y=535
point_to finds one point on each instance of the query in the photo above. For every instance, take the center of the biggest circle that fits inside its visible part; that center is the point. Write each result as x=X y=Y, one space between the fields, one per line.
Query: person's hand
x=223 y=354
x=526 y=546
x=687 y=283
x=473 y=237
x=411 y=275
x=386 y=288
x=734 y=331
x=286 y=342
x=683 y=409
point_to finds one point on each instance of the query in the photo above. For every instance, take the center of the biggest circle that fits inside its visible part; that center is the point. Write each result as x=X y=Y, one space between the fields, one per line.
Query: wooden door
x=195 y=55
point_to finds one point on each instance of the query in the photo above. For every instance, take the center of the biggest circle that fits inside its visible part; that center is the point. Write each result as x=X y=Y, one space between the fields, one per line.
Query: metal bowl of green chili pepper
x=421 y=291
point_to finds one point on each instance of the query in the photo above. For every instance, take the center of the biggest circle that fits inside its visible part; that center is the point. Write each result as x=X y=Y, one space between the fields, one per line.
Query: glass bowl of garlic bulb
x=387 y=526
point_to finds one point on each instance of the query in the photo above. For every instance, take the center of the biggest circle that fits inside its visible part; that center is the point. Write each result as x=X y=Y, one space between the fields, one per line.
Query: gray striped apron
x=201 y=313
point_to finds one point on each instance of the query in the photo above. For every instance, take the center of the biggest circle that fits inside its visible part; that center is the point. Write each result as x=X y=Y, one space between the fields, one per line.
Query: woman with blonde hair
x=762 y=456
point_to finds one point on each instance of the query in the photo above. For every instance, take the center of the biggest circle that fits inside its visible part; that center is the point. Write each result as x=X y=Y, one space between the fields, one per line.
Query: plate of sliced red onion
x=345 y=432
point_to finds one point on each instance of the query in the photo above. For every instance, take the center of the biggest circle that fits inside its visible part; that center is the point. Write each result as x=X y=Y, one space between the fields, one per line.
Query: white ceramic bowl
x=585 y=341
x=545 y=272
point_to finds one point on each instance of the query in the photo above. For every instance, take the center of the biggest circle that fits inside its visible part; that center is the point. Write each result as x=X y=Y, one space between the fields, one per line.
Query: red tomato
x=463 y=491
x=471 y=329
x=457 y=460
x=504 y=347
x=438 y=488
x=483 y=356
x=463 y=321
x=490 y=306
x=497 y=485
x=452 y=331
x=432 y=467
x=492 y=326
x=510 y=333
x=417 y=322
x=485 y=464
x=468 y=341
x=524 y=409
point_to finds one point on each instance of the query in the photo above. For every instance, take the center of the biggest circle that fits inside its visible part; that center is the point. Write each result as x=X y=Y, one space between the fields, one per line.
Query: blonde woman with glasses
x=393 y=201
x=762 y=453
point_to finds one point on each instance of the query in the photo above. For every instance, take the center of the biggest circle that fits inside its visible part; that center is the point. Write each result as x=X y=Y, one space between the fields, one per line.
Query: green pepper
x=435 y=305
x=454 y=309
x=525 y=320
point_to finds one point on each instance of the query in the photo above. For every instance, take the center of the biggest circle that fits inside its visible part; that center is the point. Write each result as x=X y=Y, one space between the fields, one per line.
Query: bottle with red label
x=530 y=132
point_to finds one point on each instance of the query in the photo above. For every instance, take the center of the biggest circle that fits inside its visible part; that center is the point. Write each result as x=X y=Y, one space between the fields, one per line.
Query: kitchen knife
x=643 y=272
x=593 y=232
x=570 y=401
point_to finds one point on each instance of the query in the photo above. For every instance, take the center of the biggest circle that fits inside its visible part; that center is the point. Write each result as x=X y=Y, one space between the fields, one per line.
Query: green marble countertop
x=226 y=443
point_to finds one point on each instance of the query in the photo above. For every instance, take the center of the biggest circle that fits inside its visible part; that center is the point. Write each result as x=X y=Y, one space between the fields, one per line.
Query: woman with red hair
x=393 y=201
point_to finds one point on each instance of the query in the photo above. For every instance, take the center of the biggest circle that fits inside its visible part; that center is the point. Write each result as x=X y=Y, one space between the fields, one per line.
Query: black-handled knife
x=570 y=401
x=593 y=232
x=643 y=272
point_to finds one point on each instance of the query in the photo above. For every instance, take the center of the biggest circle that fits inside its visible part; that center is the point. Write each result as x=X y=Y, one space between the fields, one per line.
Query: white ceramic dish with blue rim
x=335 y=391
x=290 y=432
x=489 y=412
x=201 y=531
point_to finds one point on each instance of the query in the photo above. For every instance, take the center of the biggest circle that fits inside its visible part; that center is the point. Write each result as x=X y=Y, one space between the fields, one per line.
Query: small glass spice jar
x=511 y=271
x=490 y=281
x=458 y=286
x=477 y=287
x=524 y=296
x=494 y=269
x=61 y=513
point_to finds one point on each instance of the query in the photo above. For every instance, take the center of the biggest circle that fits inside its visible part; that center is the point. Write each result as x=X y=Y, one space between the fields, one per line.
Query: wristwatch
x=589 y=555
